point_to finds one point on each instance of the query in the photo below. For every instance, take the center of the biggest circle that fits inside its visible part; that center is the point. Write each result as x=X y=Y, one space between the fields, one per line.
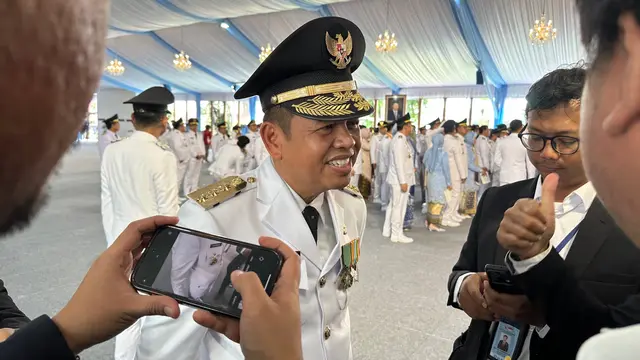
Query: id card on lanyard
x=507 y=338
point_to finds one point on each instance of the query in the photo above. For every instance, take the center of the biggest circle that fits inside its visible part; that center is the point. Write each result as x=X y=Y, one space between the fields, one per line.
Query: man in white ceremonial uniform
x=297 y=195
x=384 y=150
x=196 y=157
x=500 y=132
x=401 y=177
x=462 y=130
x=220 y=139
x=458 y=168
x=179 y=144
x=483 y=148
x=110 y=134
x=138 y=181
x=511 y=158
x=252 y=147
x=373 y=149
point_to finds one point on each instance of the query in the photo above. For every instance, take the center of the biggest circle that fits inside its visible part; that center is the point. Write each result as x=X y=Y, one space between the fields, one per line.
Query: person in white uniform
x=220 y=139
x=511 y=158
x=253 y=135
x=461 y=131
x=139 y=180
x=261 y=153
x=483 y=148
x=300 y=194
x=375 y=143
x=196 y=157
x=177 y=141
x=232 y=159
x=458 y=168
x=110 y=134
x=401 y=177
x=384 y=150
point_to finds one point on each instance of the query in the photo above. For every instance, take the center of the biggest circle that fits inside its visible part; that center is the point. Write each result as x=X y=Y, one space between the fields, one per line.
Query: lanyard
x=569 y=236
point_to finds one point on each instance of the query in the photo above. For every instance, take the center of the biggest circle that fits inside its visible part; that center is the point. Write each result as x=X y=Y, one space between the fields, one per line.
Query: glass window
x=431 y=109
x=192 y=109
x=514 y=109
x=244 y=112
x=413 y=109
x=205 y=114
x=482 y=112
x=180 y=110
x=458 y=108
x=232 y=112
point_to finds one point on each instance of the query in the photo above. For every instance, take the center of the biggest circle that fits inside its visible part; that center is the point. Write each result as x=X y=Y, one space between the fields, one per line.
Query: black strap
x=312 y=216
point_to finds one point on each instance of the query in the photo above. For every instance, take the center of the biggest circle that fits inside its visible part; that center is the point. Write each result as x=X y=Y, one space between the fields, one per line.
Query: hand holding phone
x=268 y=326
x=501 y=280
x=195 y=269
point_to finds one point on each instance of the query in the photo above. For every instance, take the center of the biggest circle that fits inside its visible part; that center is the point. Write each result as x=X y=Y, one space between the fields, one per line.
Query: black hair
x=147 y=119
x=556 y=88
x=449 y=126
x=599 y=24
x=481 y=129
x=515 y=125
x=208 y=127
x=243 y=141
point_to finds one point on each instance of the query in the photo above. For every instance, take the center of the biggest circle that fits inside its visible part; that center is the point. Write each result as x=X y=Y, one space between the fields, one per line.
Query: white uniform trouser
x=192 y=176
x=396 y=211
x=453 y=203
x=482 y=189
x=182 y=170
x=377 y=184
x=385 y=189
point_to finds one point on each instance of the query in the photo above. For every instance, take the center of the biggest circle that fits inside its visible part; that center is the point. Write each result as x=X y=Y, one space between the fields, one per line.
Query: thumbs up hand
x=527 y=227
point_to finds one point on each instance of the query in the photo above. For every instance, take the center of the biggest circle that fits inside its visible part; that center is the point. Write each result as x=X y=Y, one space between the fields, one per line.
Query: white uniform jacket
x=106 y=139
x=384 y=151
x=196 y=143
x=483 y=148
x=230 y=161
x=375 y=144
x=457 y=159
x=512 y=161
x=138 y=177
x=402 y=161
x=180 y=146
x=269 y=208
x=218 y=141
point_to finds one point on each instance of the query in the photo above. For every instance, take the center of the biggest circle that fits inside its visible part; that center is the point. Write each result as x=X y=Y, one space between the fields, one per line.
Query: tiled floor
x=397 y=308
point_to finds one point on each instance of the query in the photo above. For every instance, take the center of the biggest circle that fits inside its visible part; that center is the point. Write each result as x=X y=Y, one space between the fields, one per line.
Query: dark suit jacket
x=394 y=118
x=40 y=339
x=596 y=286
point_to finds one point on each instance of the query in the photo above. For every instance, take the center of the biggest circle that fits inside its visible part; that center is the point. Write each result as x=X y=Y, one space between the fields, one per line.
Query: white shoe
x=383 y=209
x=386 y=233
x=465 y=216
x=401 y=239
x=457 y=218
x=448 y=223
x=424 y=208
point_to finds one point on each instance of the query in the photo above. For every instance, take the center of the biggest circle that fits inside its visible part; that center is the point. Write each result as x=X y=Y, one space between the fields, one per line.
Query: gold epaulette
x=352 y=190
x=217 y=193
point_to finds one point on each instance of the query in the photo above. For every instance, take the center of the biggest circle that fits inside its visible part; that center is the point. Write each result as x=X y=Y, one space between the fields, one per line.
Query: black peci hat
x=406 y=119
x=309 y=73
x=434 y=122
x=153 y=100
x=463 y=123
x=192 y=121
x=177 y=124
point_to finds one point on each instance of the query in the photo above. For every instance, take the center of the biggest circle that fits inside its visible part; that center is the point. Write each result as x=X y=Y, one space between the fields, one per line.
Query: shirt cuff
x=456 y=289
x=522 y=266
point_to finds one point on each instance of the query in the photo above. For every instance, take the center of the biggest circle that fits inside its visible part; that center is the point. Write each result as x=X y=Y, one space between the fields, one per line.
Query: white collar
x=580 y=199
x=316 y=203
x=143 y=135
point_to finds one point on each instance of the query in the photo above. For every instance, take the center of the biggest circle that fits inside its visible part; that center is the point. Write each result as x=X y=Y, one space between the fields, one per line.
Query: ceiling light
x=224 y=25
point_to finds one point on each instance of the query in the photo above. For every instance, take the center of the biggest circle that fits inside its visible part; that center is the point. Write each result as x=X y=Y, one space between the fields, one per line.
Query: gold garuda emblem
x=340 y=49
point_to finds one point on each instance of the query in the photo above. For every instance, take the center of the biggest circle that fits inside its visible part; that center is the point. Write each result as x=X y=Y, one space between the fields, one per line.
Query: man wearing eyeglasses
x=585 y=247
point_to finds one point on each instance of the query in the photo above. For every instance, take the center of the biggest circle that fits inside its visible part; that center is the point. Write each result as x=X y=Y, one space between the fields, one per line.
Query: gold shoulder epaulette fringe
x=217 y=193
x=352 y=190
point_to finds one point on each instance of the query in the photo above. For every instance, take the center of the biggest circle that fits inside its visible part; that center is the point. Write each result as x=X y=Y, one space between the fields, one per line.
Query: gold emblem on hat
x=340 y=49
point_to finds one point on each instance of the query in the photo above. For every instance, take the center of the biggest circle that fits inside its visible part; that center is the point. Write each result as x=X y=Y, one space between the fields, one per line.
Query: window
x=192 y=109
x=180 y=110
x=458 y=108
x=514 y=109
x=232 y=112
x=244 y=112
x=92 y=118
x=368 y=121
x=482 y=112
x=259 y=113
x=431 y=109
x=413 y=110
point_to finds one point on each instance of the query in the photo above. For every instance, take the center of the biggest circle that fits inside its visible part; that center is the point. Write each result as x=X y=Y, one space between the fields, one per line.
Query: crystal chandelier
x=265 y=52
x=542 y=31
x=386 y=43
x=115 y=68
x=182 y=62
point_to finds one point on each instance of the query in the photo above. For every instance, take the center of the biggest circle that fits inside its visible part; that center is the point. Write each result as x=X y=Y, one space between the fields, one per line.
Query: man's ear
x=272 y=137
x=628 y=110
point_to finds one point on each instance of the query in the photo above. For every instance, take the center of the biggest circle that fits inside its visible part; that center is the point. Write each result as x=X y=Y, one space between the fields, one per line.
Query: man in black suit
x=395 y=113
x=600 y=261
x=504 y=343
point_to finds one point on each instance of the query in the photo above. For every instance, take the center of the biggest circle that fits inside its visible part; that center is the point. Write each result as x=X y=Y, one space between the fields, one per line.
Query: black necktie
x=311 y=215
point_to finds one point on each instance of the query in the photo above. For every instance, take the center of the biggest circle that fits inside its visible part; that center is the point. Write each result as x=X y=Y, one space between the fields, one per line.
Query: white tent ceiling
x=432 y=52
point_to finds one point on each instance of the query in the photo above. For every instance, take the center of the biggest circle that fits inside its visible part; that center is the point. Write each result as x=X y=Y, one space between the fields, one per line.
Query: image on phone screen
x=199 y=269
x=504 y=342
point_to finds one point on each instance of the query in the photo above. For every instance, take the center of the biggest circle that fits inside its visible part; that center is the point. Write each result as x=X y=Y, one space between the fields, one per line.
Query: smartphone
x=195 y=268
x=501 y=280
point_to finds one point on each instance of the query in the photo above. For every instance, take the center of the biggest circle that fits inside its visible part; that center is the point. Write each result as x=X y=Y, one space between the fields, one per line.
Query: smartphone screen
x=195 y=268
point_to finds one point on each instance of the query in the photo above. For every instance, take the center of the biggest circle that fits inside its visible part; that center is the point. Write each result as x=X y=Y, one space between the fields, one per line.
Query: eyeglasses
x=563 y=145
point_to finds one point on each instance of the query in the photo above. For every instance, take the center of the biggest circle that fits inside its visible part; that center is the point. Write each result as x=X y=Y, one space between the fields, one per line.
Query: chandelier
x=182 y=62
x=265 y=52
x=386 y=43
x=542 y=31
x=115 y=68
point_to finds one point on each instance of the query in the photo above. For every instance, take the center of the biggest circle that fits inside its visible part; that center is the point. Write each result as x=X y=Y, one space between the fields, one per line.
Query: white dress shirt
x=569 y=214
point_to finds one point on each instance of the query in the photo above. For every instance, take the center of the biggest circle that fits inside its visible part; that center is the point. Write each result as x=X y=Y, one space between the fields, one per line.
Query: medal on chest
x=349 y=272
x=214 y=260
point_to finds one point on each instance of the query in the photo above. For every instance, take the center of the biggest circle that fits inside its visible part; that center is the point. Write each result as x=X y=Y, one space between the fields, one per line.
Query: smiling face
x=316 y=156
